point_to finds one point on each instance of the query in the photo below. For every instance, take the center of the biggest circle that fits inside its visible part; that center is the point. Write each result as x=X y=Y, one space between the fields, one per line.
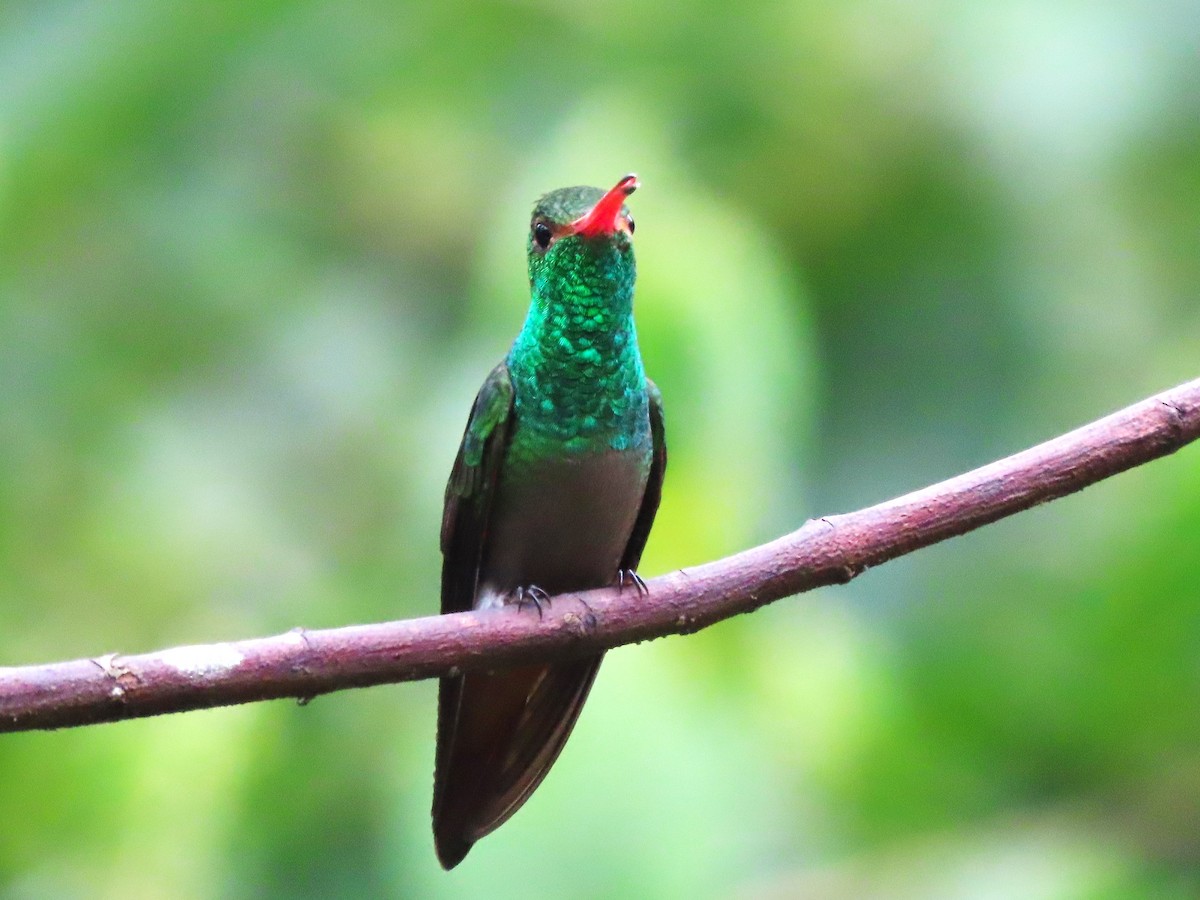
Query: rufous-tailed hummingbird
x=554 y=489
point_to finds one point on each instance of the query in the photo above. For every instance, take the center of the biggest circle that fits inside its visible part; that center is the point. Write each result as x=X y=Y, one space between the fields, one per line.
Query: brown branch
x=825 y=551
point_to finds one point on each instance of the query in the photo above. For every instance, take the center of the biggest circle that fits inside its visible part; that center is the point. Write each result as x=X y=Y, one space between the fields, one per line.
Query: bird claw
x=532 y=595
x=624 y=575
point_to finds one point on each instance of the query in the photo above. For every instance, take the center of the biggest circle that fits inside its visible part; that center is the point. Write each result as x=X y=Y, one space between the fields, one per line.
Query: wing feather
x=653 y=495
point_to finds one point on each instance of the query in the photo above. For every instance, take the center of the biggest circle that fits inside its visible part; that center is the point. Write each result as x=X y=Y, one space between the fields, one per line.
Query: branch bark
x=831 y=550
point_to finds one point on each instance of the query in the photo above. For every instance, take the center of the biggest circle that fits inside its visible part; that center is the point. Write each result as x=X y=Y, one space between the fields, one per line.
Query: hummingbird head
x=580 y=242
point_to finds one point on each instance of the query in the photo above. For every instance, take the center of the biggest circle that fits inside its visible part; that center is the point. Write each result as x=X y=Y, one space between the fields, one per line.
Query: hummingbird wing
x=658 y=469
x=468 y=502
x=471 y=489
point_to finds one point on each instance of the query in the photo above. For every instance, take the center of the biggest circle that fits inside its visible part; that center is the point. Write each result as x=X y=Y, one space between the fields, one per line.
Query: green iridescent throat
x=575 y=366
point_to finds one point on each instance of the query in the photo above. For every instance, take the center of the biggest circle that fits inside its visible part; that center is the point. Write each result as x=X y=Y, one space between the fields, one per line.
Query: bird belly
x=562 y=524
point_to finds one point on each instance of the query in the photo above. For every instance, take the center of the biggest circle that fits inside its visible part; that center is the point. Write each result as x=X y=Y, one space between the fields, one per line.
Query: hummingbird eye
x=629 y=219
x=541 y=234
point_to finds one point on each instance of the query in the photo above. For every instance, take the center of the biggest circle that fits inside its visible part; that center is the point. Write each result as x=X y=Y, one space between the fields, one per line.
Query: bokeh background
x=256 y=258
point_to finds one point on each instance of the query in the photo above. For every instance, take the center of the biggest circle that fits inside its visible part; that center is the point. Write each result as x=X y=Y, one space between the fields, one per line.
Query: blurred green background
x=256 y=258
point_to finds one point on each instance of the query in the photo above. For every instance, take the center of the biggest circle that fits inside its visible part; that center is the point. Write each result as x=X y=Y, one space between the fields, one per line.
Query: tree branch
x=824 y=551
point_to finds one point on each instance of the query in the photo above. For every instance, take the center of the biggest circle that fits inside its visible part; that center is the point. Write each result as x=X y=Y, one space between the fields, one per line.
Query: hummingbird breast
x=562 y=524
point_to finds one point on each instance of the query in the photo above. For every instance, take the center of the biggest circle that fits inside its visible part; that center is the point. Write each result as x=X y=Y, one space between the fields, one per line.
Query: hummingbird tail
x=498 y=735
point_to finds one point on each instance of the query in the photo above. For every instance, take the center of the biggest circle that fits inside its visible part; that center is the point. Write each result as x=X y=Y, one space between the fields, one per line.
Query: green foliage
x=255 y=260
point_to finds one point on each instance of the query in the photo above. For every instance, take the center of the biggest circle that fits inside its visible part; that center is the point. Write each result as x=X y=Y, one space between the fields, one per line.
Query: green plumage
x=554 y=489
x=575 y=366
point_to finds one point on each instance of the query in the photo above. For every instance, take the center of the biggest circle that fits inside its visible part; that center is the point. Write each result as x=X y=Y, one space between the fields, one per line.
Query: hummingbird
x=554 y=489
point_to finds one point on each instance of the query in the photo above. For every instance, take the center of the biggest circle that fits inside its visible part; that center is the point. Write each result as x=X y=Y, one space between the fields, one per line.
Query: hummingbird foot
x=632 y=577
x=531 y=595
